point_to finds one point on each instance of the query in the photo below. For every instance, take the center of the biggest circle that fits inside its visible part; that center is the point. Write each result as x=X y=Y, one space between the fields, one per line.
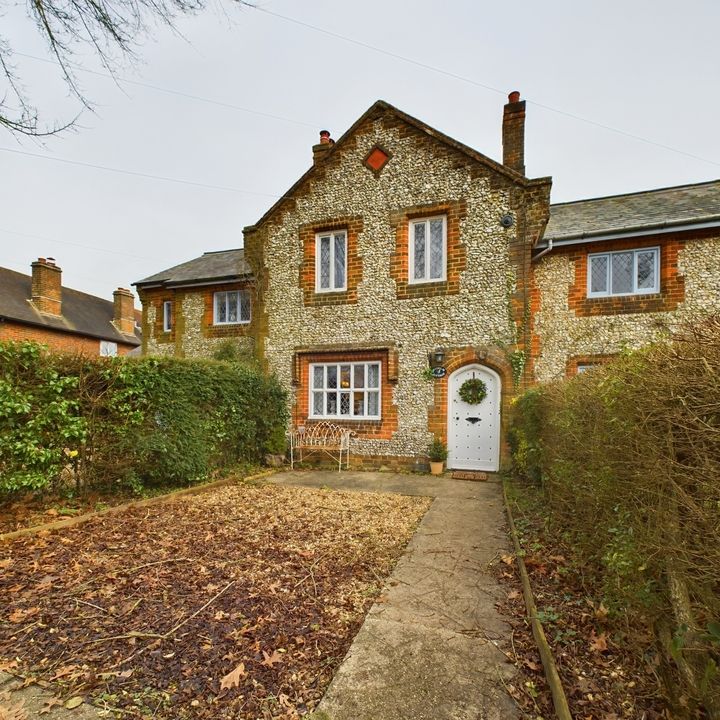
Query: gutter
x=659 y=229
x=543 y=252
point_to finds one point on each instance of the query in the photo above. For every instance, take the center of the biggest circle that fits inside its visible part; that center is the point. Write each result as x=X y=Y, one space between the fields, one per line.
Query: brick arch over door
x=455 y=358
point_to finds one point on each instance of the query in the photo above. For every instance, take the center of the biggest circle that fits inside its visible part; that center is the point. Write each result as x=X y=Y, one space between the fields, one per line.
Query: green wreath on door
x=473 y=391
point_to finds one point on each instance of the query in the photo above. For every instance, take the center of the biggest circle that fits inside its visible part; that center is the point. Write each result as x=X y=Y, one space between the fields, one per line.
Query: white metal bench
x=323 y=437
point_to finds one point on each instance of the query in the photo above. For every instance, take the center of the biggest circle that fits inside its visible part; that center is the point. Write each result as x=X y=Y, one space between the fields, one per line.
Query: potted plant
x=437 y=454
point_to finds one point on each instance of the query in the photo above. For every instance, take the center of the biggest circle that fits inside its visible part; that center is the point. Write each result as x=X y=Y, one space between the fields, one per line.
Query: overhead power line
x=476 y=83
x=135 y=173
x=178 y=93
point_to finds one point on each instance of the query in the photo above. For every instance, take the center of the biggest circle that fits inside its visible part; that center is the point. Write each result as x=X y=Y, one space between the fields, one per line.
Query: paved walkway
x=427 y=652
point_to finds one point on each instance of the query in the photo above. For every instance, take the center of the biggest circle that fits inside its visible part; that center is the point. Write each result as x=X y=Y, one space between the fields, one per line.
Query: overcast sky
x=646 y=68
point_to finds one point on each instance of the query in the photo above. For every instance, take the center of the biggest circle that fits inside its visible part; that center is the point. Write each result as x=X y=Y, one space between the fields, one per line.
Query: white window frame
x=167 y=315
x=108 y=348
x=635 y=291
x=411 y=250
x=332 y=234
x=241 y=321
x=350 y=390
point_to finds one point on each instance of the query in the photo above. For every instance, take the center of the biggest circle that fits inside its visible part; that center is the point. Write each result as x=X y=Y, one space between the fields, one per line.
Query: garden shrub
x=628 y=458
x=139 y=422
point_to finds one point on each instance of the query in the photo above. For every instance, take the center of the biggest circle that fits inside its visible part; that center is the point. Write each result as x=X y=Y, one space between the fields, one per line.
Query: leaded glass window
x=345 y=390
x=428 y=249
x=331 y=261
x=627 y=272
x=231 y=307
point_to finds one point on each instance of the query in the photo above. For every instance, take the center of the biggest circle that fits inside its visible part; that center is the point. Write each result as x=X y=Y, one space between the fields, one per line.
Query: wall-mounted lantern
x=437 y=357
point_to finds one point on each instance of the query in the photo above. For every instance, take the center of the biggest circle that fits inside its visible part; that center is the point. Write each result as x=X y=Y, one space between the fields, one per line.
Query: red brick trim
x=156 y=300
x=382 y=429
x=209 y=329
x=455 y=358
x=672 y=284
x=456 y=251
x=575 y=360
x=353 y=226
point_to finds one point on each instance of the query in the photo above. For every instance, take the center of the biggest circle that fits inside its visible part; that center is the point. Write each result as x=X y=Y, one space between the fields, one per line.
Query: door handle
x=473 y=420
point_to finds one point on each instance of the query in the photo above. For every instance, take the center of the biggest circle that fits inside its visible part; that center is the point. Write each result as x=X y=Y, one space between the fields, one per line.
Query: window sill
x=230 y=324
x=343 y=418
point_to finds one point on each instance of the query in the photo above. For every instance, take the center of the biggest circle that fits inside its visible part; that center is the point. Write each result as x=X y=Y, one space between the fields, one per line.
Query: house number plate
x=439 y=372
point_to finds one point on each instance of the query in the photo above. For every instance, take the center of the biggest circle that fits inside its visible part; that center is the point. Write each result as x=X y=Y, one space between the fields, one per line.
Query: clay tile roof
x=635 y=212
x=82 y=314
x=210 y=267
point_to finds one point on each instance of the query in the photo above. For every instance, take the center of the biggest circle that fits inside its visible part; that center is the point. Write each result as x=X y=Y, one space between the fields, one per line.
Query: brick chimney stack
x=46 y=293
x=325 y=144
x=513 y=133
x=124 y=311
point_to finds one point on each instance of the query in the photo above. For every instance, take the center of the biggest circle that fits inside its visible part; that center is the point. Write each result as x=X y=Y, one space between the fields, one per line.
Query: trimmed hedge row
x=628 y=457
x=138 y=422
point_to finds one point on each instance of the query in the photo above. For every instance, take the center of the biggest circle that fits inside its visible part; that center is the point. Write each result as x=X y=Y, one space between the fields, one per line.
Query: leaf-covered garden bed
x=238 y=602
x=604 y=665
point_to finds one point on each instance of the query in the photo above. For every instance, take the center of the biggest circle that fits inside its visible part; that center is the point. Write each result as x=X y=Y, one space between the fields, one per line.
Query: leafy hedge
x=628 y=457
x=139 y=422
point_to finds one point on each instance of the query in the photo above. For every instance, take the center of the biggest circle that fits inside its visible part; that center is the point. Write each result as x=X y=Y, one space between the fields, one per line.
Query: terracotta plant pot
x=436 y=468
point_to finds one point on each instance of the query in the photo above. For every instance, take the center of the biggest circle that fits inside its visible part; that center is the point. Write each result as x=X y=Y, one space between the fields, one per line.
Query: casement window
x=108 y=348
x=627 y=272
x=231 y=307
x=428 y=249
x=345 y=390
x=167 y=316
x=586 y=367
x=331 y=261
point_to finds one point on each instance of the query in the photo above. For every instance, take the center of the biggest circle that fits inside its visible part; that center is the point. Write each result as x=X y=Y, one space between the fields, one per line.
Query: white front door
x=474 y=430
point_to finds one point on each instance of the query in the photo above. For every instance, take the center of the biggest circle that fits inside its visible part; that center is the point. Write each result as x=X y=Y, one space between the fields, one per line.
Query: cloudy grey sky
x=647 y=68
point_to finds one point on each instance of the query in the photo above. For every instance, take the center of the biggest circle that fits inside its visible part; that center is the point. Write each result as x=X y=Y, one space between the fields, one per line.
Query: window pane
x=419 y=249
x=436 y=248
x=318 y=372
x=325 y=263
x=359 y=379
x=332 y=376
x=344 y=403
x=339 y=261
x=245 y=306
x=622 y=273
x=221 y=305
x=232 y=303
x=331 y=403
x=598 y=274
x=358 y=403
x=344 y=376
x=372 y=398
x=646 y=270
x=373 y=376
x=317 y=403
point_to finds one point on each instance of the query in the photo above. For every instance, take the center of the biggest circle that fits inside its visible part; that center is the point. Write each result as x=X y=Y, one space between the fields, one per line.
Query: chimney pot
x=513 y=133
x=46 y=287
x=319 y=150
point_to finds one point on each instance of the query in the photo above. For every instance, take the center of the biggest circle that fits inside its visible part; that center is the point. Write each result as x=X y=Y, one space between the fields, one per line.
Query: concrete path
x=32 y=702
x=426 y=652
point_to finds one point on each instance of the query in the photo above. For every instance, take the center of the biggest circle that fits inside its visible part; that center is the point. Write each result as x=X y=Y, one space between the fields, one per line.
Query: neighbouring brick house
x=37 y=307
x=402 y=249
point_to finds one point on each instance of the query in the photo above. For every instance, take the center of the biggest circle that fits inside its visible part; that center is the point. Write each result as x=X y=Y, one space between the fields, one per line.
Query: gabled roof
x=381 y=107
x=210 y=267
x=82 y=314
x=661 y=210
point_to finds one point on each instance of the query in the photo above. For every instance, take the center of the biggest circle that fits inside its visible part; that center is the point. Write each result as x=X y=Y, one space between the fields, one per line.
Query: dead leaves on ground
x=235 y=603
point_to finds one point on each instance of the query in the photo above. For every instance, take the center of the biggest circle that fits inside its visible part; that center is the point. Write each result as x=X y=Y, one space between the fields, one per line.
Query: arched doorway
x=474 y=430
